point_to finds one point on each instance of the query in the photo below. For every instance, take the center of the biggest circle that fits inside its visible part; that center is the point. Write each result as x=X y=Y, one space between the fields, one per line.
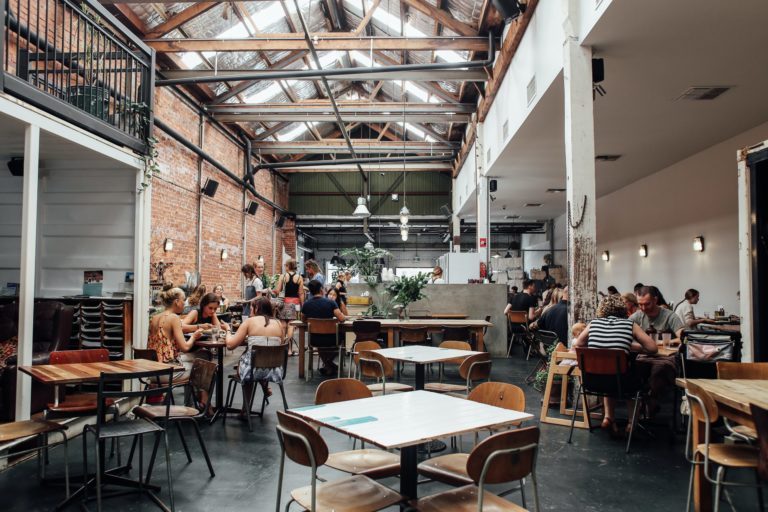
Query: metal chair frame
x=42 y=448
x=310 y=348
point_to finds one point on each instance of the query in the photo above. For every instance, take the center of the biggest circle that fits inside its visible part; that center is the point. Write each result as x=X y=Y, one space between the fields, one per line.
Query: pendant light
x=404 y=232
x=362 y=210
x=404 y=213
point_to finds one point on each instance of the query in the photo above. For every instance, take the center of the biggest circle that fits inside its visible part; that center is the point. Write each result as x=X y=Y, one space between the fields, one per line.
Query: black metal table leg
x=220 y=405
x=408 y=472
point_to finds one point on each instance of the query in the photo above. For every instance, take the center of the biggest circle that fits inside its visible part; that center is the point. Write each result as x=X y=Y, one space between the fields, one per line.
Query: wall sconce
x=606 y=256
x=168 y=245
x=224 y=254
x=698 y=244
x=643 y=251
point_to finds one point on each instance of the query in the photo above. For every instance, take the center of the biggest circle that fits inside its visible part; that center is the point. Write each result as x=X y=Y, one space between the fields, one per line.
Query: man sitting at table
x=318 y=306
x=659 y=371
x=525 y=301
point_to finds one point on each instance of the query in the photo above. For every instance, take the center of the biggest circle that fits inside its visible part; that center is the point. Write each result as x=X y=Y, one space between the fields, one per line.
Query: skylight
x=296 y=132
x=269 y=93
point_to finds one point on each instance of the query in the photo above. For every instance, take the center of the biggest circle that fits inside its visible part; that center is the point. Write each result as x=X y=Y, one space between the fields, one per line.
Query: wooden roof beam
x=443 y=17
x=177 y=20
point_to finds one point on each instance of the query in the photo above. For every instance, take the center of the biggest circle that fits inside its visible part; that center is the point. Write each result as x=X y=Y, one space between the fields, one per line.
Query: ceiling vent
x=702 y=93
x=555 y=190
x=532 y=205
x=607 y=158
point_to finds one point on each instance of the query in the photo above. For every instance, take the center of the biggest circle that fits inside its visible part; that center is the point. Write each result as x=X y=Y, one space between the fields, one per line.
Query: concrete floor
x=593 y=473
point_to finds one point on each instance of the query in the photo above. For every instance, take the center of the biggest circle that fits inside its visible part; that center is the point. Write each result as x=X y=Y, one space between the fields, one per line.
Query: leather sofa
x=52 y=331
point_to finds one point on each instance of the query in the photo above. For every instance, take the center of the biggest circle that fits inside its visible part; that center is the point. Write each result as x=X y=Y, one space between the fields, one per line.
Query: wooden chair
x=39 y=429
x=413 y=336
x=373 y=365
x=474 y=368
x=201 y=378
x=760 y=417
x=303 y=445
x=354 y=355
x=517 y=323
x=451 y=469
x=607 y=373
x=322 y=327
x=726 y=456
x=369 y=462
x=263 y=357
x=505 y=457
x=451 y=344
x=752 y=371
x=559 y=354
x=76 y=403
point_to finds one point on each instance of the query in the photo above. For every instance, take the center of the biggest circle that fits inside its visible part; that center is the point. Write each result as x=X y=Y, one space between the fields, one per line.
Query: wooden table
x=391 y=325
x=422 y=355
x=733 y=398
x=76 y=373
x=220 y=346
x=406 y=420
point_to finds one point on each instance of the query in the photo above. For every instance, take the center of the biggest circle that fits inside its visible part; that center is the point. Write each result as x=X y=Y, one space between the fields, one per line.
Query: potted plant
x=91 y=96
x=405 y=290
x=365 y=262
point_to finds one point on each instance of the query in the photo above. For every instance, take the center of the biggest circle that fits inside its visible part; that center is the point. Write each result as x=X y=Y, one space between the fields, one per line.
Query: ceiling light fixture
x=168 y=245
x=224 y=254
x=362 y=210
x=368 y=245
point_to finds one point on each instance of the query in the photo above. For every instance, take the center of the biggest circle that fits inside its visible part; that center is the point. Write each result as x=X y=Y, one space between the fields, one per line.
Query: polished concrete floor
x=593 y=473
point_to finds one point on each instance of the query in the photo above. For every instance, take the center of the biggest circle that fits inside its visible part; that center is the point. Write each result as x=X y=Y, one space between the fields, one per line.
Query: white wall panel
x=465 y=183
x=10 y=227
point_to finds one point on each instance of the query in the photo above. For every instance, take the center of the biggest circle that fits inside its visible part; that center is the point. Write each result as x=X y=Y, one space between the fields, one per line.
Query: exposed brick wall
x=175 y=197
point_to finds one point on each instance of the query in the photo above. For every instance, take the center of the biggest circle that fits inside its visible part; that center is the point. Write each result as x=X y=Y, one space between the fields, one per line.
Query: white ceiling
x=653 y=50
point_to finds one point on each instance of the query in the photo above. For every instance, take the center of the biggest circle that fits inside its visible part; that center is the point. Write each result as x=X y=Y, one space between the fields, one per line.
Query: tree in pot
x=407 y=289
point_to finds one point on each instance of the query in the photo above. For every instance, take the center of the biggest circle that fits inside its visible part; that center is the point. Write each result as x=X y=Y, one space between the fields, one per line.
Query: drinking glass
x=666 y=339
x=215 y=333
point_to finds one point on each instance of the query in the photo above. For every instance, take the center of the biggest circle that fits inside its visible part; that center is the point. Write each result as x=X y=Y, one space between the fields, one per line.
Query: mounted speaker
x=252 y=207
x=445 y=210
x=16 y=165
x=598 y=71
x=510 y=9
x=280 y=221
x=210 y=187
x=493 y=185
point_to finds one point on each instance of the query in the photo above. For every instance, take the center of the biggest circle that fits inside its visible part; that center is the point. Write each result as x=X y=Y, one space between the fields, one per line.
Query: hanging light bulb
x=368 y=245
x=404 y=232
x=361 y=210
x=404 y=213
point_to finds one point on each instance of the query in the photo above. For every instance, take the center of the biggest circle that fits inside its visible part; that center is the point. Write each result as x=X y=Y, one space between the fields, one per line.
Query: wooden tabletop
x=406 y=419
x=425 y=322
x=211 y=343
x=423 y=354
x=88 y=372
x=737 y=394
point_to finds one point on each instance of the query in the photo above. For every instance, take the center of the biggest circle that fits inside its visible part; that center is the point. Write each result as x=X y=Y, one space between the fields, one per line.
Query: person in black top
x=555 y=319
x=321 y=307
x=525 y=301
x=204 y=316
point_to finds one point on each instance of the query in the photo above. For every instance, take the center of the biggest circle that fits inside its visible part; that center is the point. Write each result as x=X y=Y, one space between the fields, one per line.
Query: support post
x=456 y=232
x=580 y=172
x=27 y=271
x=483 y=237
x=141 y=258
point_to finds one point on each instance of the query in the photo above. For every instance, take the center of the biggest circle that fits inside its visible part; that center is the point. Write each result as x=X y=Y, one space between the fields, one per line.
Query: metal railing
x=76 y=61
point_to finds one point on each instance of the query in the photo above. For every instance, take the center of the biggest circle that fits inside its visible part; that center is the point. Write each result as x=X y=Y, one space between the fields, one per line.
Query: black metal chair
x=201 y=378
x=111 y=389
x=607 y=373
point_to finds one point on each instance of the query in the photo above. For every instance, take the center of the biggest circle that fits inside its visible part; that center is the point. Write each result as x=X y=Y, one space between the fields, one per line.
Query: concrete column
x=483 y=237
x=580 y=172
x=27 y=274
x=456 y=232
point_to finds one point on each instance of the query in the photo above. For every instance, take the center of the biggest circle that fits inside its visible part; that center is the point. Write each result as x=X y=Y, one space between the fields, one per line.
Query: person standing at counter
x=437 y=276
x=252 y=284
x=291 y=286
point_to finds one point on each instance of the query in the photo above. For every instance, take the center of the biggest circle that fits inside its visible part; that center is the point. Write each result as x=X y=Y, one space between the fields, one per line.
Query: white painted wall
x=10 y=227
x=465 y=183
x=666 y=210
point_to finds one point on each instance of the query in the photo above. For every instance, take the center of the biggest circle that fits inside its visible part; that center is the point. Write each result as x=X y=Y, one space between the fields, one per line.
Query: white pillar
x=27 y=274
x=580 y=172
x=483 y=237
x=456 y=232
x=141 y=257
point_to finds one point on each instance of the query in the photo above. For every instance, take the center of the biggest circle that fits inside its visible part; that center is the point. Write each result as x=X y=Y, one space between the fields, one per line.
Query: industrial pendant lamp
x=362 y=210
x=404 y=213
x=404 y=232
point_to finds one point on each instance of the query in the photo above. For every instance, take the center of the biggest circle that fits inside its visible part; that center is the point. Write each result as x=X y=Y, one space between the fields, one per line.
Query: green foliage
x=540 y=379
x=139 y=116
x=365 y=262
x=270 y=280
x=405 y=290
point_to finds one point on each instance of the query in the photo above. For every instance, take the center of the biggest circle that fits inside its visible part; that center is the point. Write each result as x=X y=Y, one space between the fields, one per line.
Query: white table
x=422 y=355
x=406 y=420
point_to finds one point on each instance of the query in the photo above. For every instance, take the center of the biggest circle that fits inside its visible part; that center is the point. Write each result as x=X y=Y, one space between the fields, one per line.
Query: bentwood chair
x=448 y=344
x=753 y=371
x=725 y=456
x=505 y=457
x=201 y=378
x=301 y=443
x=372 y=463
x=412 y=336
x=354 y=355
x=76 y=403
x=110 y=388
x=322 y=327
x=474 y=368
x=373 y=365
x=451 y=469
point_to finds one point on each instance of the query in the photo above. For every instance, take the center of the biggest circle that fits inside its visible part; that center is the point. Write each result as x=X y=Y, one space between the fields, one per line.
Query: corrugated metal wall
x=425 y=192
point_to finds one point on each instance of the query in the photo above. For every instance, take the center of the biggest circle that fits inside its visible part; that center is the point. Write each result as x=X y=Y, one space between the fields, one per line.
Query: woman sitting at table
x=166 y=336
x=292 y=285
x=335 y=297
x=685 y=309
x=630 y=300
x=612 y=330
x=259 y=329
x=194 y=299
x=223 y=301
x=204 y=317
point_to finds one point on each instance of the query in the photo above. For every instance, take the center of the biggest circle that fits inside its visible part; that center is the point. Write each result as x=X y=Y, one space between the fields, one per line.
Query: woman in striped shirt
x=612 y=330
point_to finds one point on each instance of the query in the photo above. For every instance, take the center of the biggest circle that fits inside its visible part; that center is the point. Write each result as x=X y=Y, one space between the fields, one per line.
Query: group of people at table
x=629 y=322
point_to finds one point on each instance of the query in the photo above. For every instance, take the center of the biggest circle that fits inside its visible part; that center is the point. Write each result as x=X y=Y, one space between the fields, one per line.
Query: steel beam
x=448 y=75
x=327 y=146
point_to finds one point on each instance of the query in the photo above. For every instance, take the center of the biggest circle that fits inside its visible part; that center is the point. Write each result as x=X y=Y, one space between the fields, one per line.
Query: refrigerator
x=458 y=267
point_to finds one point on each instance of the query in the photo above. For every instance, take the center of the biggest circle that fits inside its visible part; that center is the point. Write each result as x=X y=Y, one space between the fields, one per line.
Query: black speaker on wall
x=252 y=207
x=210 y=187
x=493 y=185
x=598 y=71
x=280 y=221
x=16 y=165
x=510 y=9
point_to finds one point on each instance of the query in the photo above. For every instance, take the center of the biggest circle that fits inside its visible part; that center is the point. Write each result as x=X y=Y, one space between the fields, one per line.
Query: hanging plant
x=138 y=119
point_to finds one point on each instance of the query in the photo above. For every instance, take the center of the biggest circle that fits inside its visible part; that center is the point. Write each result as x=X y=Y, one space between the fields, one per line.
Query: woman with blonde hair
x=630 y=301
